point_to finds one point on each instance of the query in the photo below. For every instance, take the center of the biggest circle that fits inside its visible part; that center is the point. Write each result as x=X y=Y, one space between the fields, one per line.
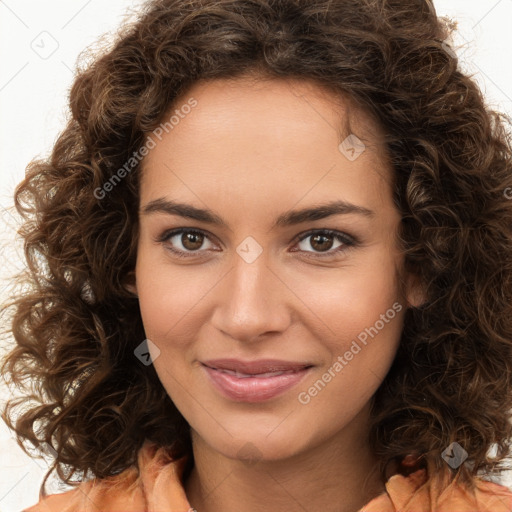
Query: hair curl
x=76 y=326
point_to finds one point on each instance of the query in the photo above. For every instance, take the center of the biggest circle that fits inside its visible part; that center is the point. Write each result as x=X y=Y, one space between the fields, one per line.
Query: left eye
x=185 y=242
x=322 y=241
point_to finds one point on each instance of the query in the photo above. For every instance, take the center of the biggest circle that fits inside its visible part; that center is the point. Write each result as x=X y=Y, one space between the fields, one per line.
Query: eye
x=323 y=242
x=184 y=242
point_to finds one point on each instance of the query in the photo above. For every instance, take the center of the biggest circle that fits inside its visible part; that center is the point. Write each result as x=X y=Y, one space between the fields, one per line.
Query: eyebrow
x=291 y=218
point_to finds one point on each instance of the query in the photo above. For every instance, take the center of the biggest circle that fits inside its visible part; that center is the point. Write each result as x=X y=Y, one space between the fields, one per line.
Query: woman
x=270 y=268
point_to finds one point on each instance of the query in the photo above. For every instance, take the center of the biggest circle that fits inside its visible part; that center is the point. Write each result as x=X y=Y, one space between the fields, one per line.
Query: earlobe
x=415 y=291
x=131 y=288
x=130 y=283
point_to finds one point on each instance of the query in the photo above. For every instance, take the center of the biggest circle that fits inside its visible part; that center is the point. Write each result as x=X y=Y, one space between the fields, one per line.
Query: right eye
x=184 y=242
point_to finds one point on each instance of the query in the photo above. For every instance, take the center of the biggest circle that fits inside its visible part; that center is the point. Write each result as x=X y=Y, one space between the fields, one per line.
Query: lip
x=254 y=381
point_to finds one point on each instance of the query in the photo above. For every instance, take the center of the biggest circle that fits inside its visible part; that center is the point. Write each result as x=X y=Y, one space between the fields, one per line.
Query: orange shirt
x=157 y=487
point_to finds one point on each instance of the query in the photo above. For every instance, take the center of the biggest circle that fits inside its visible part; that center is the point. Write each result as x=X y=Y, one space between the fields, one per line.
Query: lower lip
x=253 y=389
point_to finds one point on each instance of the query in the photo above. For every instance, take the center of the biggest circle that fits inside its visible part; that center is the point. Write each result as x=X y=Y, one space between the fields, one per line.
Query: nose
x=253 y=301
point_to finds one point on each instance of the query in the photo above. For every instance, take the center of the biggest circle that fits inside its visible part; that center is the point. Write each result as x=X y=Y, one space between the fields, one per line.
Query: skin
x=251 y=151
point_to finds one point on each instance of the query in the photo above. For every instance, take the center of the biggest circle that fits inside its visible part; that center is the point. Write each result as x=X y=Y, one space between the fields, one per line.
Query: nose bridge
x=251 y=303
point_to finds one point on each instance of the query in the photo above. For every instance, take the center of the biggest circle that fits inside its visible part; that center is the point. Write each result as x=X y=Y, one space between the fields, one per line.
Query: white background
x=33 y=94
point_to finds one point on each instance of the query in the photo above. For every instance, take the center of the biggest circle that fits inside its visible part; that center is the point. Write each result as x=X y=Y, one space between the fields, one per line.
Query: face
x=268 y=273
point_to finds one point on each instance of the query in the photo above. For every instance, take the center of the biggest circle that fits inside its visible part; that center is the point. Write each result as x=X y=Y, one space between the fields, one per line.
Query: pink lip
x=254 y=381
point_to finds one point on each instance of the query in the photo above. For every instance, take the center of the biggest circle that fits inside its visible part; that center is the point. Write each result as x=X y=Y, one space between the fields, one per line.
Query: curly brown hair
x=76 y=325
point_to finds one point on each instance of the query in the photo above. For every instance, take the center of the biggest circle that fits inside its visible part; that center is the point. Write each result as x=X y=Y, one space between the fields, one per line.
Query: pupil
x=323 y=246
x=191 y=241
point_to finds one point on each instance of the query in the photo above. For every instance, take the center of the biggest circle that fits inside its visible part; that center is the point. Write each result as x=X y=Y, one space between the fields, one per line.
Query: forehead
x=274 y=103
x=283 y=133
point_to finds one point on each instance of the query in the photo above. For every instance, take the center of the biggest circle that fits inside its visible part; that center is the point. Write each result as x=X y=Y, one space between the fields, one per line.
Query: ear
x=414 y=291
x=130 y=283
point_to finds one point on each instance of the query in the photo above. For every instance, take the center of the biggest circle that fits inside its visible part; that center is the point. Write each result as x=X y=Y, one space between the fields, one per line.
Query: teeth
x=257 y=375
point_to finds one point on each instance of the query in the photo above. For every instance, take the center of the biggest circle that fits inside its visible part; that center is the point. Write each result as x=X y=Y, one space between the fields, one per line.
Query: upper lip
x=256 y=367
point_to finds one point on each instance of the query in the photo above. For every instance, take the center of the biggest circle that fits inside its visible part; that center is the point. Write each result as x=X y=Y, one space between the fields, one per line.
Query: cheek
x=344 y=301
x=347 y=301
x=170 y=296
x=359 y=318
x=361 y=342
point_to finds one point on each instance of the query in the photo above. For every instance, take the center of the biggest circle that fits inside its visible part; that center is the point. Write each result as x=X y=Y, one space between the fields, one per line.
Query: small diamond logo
x=249 y=250
x=44 y=44
x=352 y=147
x=454 y=455
x=147 y=352
x=249 y=453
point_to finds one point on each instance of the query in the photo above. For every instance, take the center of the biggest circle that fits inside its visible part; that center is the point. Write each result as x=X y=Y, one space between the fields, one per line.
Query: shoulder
x=154 y=483
x=119 y=492
x=418 y=493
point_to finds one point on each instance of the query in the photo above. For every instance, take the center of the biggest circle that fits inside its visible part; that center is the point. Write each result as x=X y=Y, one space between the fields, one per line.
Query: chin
x=252 y=446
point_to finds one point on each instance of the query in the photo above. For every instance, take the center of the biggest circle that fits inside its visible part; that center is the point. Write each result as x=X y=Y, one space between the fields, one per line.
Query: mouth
x=254 y=381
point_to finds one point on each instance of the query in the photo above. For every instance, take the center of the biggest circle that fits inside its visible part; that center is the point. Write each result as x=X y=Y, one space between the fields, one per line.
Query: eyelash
x=347 y=241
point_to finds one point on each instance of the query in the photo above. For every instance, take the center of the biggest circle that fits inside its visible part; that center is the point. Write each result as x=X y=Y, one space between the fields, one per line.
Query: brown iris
x=192 y=241
x=325 y=242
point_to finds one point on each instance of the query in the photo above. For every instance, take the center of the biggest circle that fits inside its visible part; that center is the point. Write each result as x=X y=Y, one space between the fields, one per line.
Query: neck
x=340 y=475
